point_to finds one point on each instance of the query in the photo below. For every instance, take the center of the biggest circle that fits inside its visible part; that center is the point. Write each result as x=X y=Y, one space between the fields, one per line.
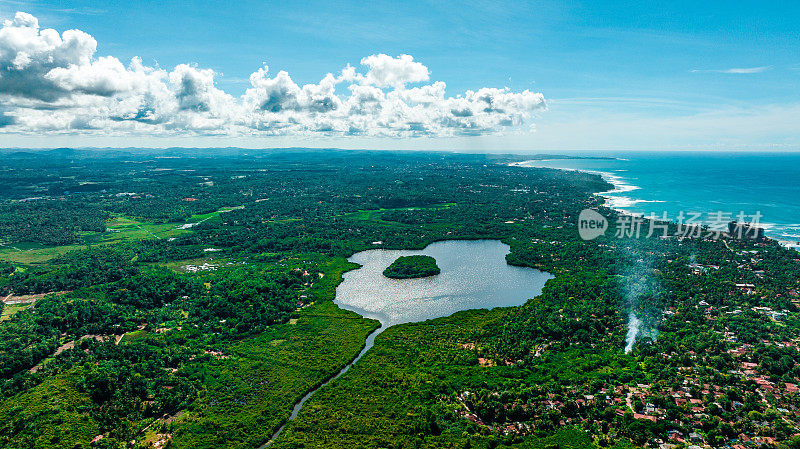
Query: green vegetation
x=115 y=230
x=10 y=309
x=49 y=415
x=188 y=301
x=412 y=390
x=406 y=267
x=256 y=381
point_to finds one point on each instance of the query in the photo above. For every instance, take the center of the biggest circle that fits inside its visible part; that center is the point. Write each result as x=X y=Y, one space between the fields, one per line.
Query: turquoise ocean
x=708 y=183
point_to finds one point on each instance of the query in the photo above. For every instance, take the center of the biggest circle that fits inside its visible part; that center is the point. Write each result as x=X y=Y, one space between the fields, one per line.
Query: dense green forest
x=184 y=298
x=406 y=267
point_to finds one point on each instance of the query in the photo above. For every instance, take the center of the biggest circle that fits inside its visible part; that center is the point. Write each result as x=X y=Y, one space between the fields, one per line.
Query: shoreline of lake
x=368 y=282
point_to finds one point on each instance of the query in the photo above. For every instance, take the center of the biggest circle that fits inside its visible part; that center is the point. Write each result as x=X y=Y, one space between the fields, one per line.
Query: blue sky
x=614 y=74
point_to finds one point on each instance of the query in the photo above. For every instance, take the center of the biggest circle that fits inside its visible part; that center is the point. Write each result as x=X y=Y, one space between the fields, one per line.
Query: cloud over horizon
x=736 y=70
x=54 y=83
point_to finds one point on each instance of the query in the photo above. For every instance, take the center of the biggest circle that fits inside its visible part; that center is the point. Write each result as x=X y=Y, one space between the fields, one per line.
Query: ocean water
x=704 y=182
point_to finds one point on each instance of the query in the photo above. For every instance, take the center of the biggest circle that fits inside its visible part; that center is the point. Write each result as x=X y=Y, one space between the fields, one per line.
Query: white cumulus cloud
x=53 y=82
x=385 y=70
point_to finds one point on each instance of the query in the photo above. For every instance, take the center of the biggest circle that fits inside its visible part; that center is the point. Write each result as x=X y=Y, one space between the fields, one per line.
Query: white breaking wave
x=617 y=202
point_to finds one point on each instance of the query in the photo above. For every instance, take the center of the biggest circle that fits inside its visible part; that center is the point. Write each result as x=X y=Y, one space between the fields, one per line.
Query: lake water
x=474 y=275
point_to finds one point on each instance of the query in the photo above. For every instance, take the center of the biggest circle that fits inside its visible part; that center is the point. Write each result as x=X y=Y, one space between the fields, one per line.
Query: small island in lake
x=407 y=267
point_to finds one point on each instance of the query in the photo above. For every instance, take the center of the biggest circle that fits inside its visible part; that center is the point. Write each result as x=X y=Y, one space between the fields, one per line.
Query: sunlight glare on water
x=474 y=275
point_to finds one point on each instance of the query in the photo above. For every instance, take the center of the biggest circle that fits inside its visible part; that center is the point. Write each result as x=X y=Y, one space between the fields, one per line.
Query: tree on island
x=406 y=267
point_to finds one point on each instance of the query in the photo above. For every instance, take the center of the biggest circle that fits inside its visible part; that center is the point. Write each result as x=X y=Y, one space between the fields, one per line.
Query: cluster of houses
x=769 y=312
x=698 y=268
x=206 y=266
x=697 y=398
x=694 y=398
x=744 y=287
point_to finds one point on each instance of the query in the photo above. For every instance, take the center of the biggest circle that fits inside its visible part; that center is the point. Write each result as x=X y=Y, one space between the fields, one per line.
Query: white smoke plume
x=641 y=289
x=633 y=331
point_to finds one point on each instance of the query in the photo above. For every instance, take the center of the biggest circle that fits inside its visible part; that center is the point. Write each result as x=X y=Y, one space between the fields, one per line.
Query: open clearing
x=119 y=229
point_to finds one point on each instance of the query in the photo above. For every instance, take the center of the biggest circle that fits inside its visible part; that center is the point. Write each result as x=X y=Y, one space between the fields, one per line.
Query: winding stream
x=474 y=275
x=370 y=342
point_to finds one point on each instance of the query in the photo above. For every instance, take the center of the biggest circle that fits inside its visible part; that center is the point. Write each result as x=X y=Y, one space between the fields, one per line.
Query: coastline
x=611 y=200
x=621 y=186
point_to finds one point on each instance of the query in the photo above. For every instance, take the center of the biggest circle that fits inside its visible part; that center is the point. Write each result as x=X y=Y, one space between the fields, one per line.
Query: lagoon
x=474 y=275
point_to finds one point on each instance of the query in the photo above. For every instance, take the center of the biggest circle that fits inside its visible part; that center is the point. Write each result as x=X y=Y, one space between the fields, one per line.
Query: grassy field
x=375 y=214
x=132 y=336
x=10 y=309
x=32 y=253
x=123 y=230
x=119 y=229
x=203 y=217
